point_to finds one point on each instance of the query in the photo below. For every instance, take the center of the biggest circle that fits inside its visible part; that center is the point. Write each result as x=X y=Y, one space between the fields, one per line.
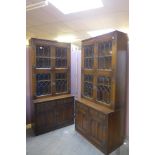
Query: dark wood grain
x=54 y=113
x=104 y=130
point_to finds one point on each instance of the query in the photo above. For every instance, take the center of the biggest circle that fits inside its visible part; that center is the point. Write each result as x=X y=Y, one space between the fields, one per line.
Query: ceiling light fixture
x=66 y=38
x=72 y=6
x=99 y=32
x=33 y=6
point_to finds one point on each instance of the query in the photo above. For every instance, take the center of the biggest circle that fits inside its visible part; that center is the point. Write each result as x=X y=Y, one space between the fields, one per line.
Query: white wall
x=75 y=71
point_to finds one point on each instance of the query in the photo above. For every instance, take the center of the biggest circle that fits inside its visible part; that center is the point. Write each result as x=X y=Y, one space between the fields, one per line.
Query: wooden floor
x=64 y=141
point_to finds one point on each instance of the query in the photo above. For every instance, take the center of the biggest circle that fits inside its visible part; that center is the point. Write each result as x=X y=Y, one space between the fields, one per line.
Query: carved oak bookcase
x=53 y=103
x=100 y=112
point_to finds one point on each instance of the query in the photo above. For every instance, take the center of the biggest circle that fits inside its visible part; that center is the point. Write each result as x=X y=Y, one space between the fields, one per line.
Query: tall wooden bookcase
x=53 y=103
x=100 y=112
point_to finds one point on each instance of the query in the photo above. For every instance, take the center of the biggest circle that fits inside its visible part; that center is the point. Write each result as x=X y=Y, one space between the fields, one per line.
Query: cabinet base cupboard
x=101 y=126
x=53 y=113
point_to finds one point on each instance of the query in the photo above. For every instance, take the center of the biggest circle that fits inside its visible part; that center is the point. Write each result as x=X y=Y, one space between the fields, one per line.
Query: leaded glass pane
x=105 y=55
x=61 y=82
x=43 y=84
x=104 y=89
x=88 y=85
x=61 y=57
x=89 y=56
x=43 y=57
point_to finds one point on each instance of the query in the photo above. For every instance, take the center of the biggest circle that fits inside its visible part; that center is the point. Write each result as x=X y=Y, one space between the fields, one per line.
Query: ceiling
x=48 y=22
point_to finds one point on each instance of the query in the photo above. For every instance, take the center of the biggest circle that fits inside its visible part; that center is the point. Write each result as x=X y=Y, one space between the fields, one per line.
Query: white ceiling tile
x=49 y=22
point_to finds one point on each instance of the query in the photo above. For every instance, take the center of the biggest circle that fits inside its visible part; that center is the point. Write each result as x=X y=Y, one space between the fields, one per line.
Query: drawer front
x=96 y=114
x=81 y=107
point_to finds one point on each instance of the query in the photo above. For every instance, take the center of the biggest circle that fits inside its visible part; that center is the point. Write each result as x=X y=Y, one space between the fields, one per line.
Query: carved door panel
x=60 y=112
x=39 y=117
x=82 y=119
x=69 y=112
x=50 y=115
x=98 y=128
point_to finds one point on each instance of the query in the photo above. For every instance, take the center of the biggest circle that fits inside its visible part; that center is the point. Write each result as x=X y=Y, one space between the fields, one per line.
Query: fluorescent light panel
x=66 y=38
x=71 y=6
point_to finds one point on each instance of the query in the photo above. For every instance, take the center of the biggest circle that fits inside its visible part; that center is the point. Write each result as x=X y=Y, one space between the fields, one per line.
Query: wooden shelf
x=51 y=98
x=43 y=68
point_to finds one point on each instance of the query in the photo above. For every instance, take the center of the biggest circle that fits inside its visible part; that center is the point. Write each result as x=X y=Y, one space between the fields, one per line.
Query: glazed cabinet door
x=61 y=82
x=88 y=65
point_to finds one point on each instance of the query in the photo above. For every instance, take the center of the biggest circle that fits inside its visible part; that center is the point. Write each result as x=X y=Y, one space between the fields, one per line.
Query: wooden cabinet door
x=69 y=109
x=39 y=117
x=61 y=84
x=82 y=121
x=60 y=112
x=50 y=115
x=65 y=111
x=69 y=112
x=45 y=117
x=97 y=128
